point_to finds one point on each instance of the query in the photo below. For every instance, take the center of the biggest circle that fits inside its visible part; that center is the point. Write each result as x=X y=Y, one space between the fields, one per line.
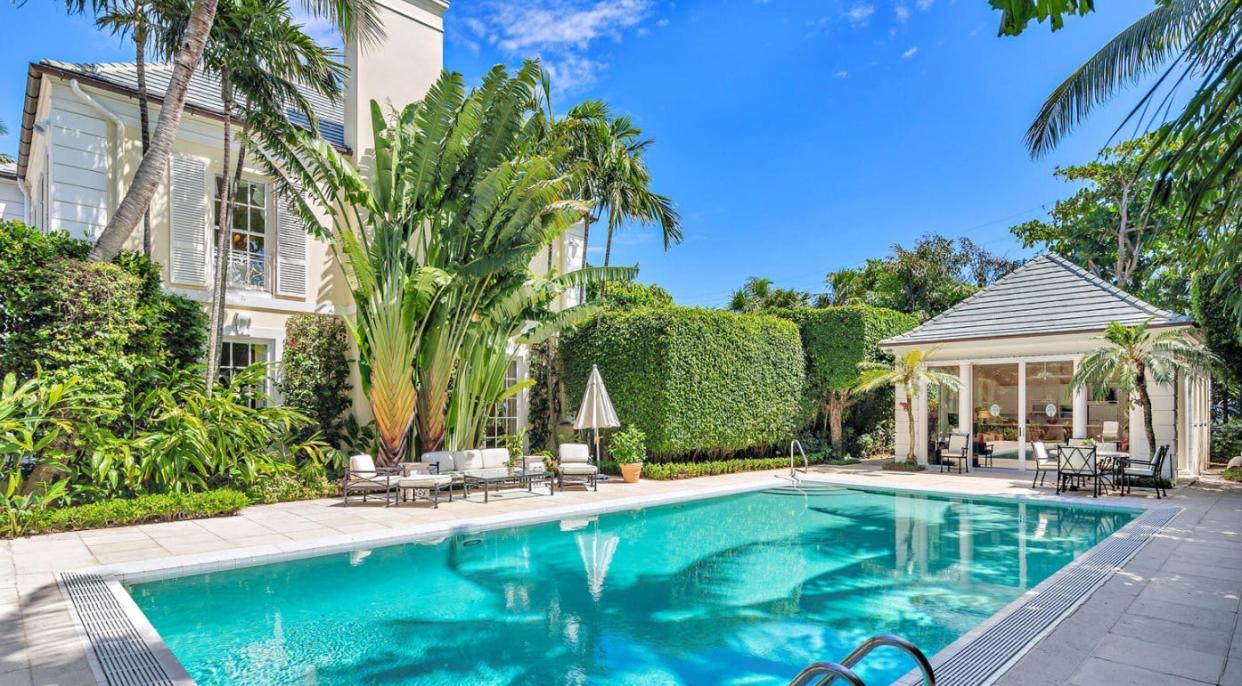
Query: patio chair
x=575 y=464
x=363 y=477
x=1045 y=463
x=1146 y=469
x=417 y=478
x=1075 y=465
x=957 y=451
x=1111 y=432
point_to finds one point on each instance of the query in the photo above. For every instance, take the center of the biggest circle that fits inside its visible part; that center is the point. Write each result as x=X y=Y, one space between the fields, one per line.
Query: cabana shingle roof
x=1047 y=295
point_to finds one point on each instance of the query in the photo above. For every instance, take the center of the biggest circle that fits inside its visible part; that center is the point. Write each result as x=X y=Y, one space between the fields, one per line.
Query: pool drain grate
x=123 y=656
x=978 y=661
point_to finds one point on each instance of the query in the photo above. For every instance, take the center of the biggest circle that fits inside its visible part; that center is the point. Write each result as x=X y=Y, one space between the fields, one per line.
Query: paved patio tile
x=1197 y=591
x=1212 y=641
x=1162 y=656
x=1100 y=672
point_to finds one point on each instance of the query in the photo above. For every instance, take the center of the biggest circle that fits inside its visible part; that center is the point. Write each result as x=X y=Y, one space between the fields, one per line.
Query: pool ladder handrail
x=806 y=465
x=825 y=673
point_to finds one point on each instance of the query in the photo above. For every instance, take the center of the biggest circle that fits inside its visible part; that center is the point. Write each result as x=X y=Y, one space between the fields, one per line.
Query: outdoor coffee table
x=495 y=478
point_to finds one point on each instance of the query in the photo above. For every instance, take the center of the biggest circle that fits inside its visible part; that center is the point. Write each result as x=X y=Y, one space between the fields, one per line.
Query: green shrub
x=184 y=325
x=1232 y=474
x=696 y=382
x=630 y=295
x=1227 y=440
x=628 y=446
x=315 y=370
x=305 y=484
x=668 y=471
x=145 y=509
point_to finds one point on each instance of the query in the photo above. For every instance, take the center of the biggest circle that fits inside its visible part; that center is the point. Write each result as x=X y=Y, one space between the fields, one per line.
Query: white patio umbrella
x=596 y=411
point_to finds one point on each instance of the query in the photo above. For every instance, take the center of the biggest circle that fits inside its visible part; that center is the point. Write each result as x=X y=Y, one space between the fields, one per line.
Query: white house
x=1015 y=345
x=80 y=145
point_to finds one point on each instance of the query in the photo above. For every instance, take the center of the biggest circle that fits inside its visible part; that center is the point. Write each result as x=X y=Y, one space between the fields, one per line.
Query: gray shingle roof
x=1047 y=295
x=204 y=92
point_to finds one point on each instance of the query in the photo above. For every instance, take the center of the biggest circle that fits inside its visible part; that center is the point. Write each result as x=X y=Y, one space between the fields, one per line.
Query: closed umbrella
x=596 y=411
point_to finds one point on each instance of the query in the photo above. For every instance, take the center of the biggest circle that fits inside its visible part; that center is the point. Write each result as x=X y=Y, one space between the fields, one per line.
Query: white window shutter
x=188 y=220
x=290 y=251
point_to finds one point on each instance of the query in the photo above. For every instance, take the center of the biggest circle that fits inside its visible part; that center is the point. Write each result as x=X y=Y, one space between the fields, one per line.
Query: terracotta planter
x=630 y=472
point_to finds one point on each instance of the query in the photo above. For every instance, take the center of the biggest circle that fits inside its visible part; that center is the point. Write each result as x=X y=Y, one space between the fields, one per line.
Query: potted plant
x=629 y=449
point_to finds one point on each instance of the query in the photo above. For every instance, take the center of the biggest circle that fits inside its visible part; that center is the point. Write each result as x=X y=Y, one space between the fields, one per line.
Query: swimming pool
x=744 y=589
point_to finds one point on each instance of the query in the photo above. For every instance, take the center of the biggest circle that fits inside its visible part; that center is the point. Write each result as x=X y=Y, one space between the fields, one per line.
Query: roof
x=1048 y=295
x=202 y=97
x=8 y=170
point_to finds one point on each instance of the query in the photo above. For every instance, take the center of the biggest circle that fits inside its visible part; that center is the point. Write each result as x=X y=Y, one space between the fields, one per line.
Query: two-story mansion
x=80 y=145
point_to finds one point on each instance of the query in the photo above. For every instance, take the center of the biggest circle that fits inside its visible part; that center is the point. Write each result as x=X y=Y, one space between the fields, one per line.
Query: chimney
x=397 y=70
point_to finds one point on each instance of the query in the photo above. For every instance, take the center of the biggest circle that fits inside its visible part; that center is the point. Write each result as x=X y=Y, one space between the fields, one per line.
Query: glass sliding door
x=1050 y=404
x=997 y=403
x=942 y=411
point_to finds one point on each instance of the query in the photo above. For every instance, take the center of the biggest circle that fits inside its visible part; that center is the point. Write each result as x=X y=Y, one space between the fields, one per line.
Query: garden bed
x=668 y=471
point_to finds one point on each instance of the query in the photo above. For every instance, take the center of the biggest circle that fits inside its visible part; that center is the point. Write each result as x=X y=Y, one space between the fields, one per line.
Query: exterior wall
x=1170 y=419
x=12 y=205
x=397 y=71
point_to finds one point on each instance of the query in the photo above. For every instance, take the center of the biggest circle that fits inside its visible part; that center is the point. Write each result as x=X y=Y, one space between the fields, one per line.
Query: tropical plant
x=1133 y=357
x=758 y=295
x=628 y=446
x=357 y=20
x=4 y=131
x=608 y=151
x=1196 y=151
x=314 y=370
x=909 y=372
x=31 y=424
x=20 y=505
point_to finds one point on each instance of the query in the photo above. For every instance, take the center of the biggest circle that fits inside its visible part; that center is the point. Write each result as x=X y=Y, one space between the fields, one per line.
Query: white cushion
x=467 y=459
x=424 y=480
x=361 y=466
x=489 y=473
x=575 y=452
x=534 y=464
x=578 y=469
x=443 y=460
x=491 y=458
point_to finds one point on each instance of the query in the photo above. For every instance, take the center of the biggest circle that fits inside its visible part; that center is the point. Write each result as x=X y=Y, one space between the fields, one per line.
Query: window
x=237 y=355
x=504 y=420
x=248 y=258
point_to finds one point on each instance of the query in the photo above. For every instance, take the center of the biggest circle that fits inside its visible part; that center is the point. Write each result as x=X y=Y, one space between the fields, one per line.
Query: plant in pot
x=629 y=449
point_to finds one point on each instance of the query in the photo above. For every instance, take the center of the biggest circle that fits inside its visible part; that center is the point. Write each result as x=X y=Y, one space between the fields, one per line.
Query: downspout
x=118 y=175
x=21 y=186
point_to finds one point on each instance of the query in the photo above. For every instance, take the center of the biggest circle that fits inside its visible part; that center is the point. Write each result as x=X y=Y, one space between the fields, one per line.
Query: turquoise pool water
x=743 y=589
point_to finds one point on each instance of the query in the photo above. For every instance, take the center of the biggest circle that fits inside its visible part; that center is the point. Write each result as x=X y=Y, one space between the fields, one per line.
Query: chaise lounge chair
x=1045 y=463
x=363 y=477
x=575 y=465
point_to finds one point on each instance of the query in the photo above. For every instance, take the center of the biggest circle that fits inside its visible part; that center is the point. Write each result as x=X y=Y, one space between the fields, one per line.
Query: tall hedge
x=836 y=340
x=315 y=370
x=696 y=382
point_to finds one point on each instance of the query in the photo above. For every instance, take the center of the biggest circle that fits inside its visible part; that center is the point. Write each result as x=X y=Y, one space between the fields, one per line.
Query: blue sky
x=796 y=137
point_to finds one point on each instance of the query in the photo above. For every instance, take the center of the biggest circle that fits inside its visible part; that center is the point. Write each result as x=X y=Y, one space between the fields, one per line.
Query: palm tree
x=356 y=20
x=4 y=131
x=910 y=372
x=613 y=174
x=262 y=59
x=1132 y=357
x=1197 y=150
x=758 y=295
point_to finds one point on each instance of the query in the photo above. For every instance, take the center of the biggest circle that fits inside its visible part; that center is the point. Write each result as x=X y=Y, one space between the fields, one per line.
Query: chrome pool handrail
x=826 y=671
x=879 y=641
x=806 y=465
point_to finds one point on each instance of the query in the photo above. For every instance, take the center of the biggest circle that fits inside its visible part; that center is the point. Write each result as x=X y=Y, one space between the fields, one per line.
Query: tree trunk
x=586 y=238
x=912 y=453
x=836 y=421
x=1145 y=401
x=603 y=285
x=393 y=449
x=154 y=163
x=224 y=246
x=144 y=118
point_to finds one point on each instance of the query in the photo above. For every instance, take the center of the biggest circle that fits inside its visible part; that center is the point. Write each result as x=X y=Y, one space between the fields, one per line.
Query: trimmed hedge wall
x=165 y=507
x=697 y=382
x=836 y=339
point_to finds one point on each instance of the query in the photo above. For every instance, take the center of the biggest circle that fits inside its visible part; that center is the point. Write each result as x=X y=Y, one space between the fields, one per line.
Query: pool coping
x=114 y=576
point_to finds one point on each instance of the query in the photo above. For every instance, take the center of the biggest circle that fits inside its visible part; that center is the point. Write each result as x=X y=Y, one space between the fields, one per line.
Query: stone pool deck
x=1168 y=616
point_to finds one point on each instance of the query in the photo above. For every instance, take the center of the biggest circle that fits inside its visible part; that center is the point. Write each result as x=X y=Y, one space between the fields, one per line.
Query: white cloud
x=903 y=13
x=859 y=16
x=924 y=4
x=319 y=28
x=841 y=74
x=662 y=22
x=911 y=52
x=560 y=32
